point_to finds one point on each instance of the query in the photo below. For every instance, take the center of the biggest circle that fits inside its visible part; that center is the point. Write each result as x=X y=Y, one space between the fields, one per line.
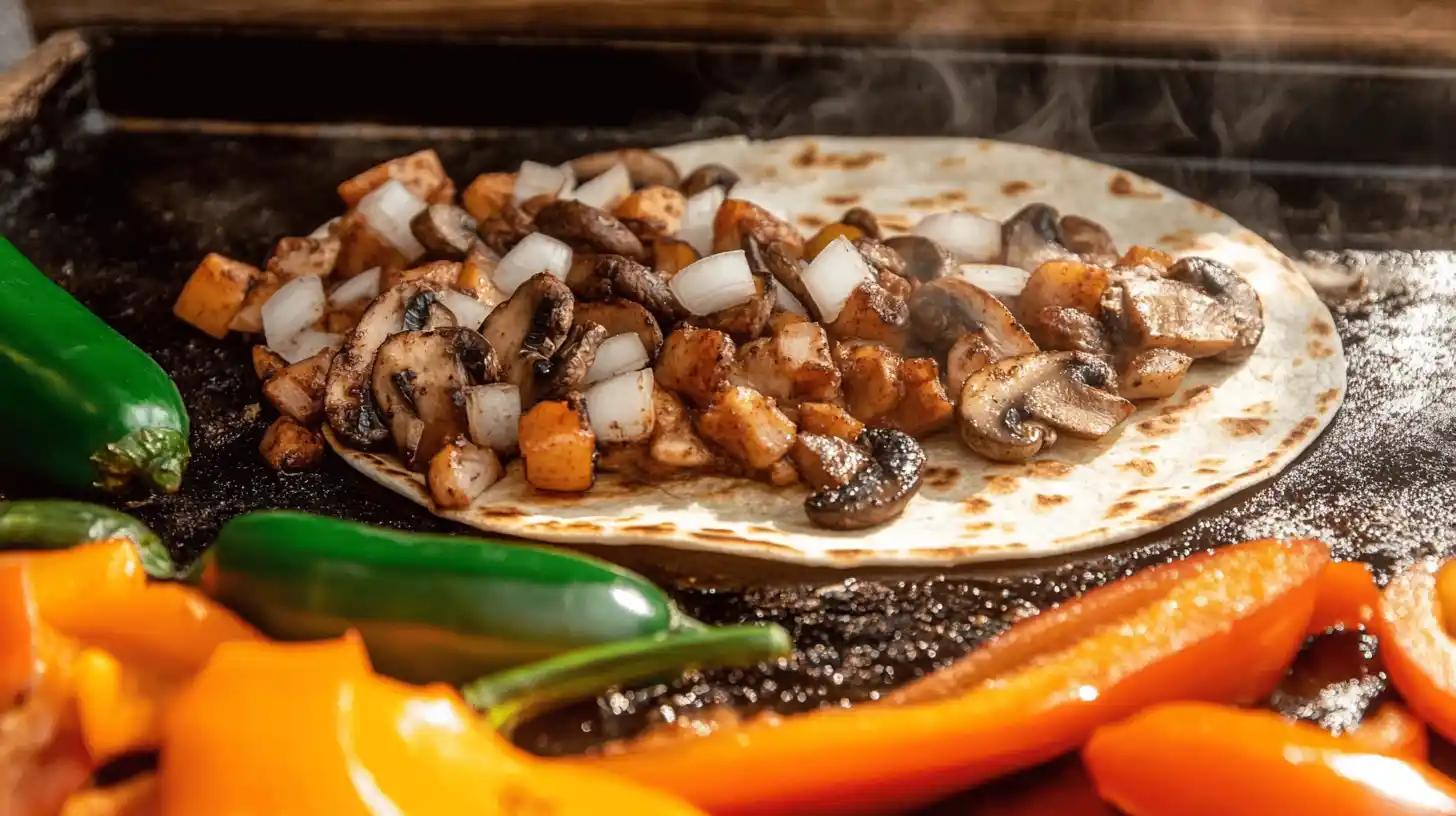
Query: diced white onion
x=801 y=344
x=833 y=276
x=361 y=288
x=618 y=354
x=969 y=237
x=784 y=300
x=296 y=305
x=536 y=253
x=308 y=343
x=604 y=191
x=697 y=221
x=388 y=210
x=620 y=409
x=1001 y=281
x=469 y=312
x=715 y=283
x=494 y=415
x=534 y=179
x=765 y=198
x=326 y=229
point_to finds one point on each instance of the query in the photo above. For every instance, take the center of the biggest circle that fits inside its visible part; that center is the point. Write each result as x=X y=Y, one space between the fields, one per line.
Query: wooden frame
x=1388 y=26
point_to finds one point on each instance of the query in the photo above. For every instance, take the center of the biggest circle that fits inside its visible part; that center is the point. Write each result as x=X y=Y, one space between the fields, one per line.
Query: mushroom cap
x=529 y=327
x=1236 y=294
x=621 y=316
x=945 y=310
x=566 y=370
x=1012 y=409
x=707 y=176
x=599 y=277
x=1088 y=239
x=925 y=260
x=588 y=229
x=644 y=167
x=417 y=379
x=445 y=230
x=1034 y=236
x=864 y=221
x=879 y=491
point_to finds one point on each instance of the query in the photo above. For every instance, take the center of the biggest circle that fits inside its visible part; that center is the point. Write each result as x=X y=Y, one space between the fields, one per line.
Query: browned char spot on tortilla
x=1082 y=536
x=1181 y=240
x=1166 y=513
x=811 y=157
x=661 y=528
x=895 y=223
x=921 y=203
x=1298 y=432
x=1048 y=469
x=1267 y=377
x=1211 y=461
x=1325 y=399
x=1204 y=471
x=1205 y=210
x=1244 y=426
x=1016 y=188
x=1148 y=449
x=715 y=536
x=1122 y=187
x=1046 y=501
x=1216 y=487
x=1161 y=425
x=1298 y=361
x=953 y=161
x=1321 y=327
x=1260 y=408
x=941 y=478
x=1319 y=350
x=976 y=504
x=1002 y=485
x=807 y=157
x=811 y=221
x=979 y=527
x=1140 y=491
x=1121 y=508
x=842 y=199
x=500 y=512
x=848 y=555
x=759 y=528
x=1144 y=467
x=573 y=527
x=953 y=197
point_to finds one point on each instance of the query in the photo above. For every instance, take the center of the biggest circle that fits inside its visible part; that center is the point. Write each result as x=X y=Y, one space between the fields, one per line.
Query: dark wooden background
x=1417 y=27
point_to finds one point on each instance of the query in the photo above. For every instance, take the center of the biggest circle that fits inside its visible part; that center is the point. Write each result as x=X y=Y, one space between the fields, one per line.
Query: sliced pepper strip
x=69 y=582
x=1198 y=759
x=1347 y=599
x=1393 y=731
x=134 y=797
x=170 y=627
x=120 y=706
x=1223 y=626
x=19 y=628
x=1419 y=655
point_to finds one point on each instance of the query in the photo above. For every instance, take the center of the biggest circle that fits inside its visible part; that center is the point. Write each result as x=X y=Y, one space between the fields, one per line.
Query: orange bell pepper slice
x=134 y=797
x=1393 y=731
x=308 y=729
x=1062 y=788
x=119 y=706
x=18 y=633
x=1222 y=626
x=1198 y=759
x=171 y=627
x=1419 y=655
x=1347 y=599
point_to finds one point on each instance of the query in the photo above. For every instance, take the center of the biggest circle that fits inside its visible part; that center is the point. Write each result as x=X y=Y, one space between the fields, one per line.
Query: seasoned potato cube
x=696 y=363
x=825 y=419
x=291 y=445
x=488 y=194
x=267 y=362
x=421 y=173
x=872 y=313
x=298 y=390
x=362 y=249
x=460 y=472
x=870 y=379
x=657 y=211
x=1153 y=374
x=736 y=219
x=748 y=426
x=558 y=446
x=828 y=233
x=1154 y=259
x=215 y=293
x=296 y=257
x=249 y=318
x=1064 y=284
x=924 y=408
x=670 y=256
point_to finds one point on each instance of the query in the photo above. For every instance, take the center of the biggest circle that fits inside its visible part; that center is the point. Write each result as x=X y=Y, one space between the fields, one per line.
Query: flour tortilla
x=1229 y=427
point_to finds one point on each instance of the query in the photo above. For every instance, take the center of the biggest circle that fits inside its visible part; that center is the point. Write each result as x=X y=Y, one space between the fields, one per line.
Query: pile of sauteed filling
x=611 y=315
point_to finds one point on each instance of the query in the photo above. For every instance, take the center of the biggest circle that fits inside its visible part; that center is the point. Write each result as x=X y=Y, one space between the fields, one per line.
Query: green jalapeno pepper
x=56 y=524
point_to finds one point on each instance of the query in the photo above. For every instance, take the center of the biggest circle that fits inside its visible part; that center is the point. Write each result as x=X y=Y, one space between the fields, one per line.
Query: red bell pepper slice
x=1347 y=599
x=1419 y=654
x=1199 y=759
x=1222 y=626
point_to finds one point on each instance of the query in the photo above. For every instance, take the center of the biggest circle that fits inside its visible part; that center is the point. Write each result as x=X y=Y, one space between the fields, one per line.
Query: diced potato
x=696 y=363
x=1153 y=374
x=871 y=380
x=676 y=444
x=460 y=472
x=781 y=320
x=296 y=257
x=215 y=293
x=558 y=446
x=828 y=233
x=362 y=249
x=267 y=362
x=488 y=194
x=297 y=391
x=827 y=419
x=670 y=256
x=249 y=318
x=658 y=211
x=444 y=273
x=924 y=408
x=341 y=321
x=1065 y=284
x=477 y=275
x=290 y=445
x=782 y=473
x=873 y=314
x=421 y=173
x=1146 y=256
x=748 y=426
x=738 y=218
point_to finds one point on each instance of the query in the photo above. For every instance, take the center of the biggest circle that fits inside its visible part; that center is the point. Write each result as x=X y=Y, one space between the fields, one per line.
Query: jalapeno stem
x=157 y=456
x=509 y=697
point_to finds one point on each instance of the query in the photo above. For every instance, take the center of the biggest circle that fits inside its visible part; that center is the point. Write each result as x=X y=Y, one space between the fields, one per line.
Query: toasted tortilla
x=1228 y=428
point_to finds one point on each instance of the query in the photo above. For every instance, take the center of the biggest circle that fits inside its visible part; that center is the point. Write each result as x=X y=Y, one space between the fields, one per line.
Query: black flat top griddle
x=130 y=173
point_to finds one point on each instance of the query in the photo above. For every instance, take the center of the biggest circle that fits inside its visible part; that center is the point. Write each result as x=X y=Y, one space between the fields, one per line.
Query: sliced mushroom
x=1056 y=328
x=417 y=381
x=599 y=277
x=1034 y=236
x=873 y=314
x=886 y=262
x=348 y=398
x=620 y=316
x=777 y=262
x=877 y=493
x=529 y=328
x=708 y=176
x=460 y=472
x=445 y=230
x=696 y=363
x=925 y=260
x=1234 y=293
x=645 y=167
x=1013 y=409
x=748 y=426
x=864 y=221
x=588 y=229
x=737 y=218
x=566 y=371
x=1162 y=313
x=425 y=312
x=1153 y=374
x=1088 y=239
x=967 y=323
x=825 y=462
